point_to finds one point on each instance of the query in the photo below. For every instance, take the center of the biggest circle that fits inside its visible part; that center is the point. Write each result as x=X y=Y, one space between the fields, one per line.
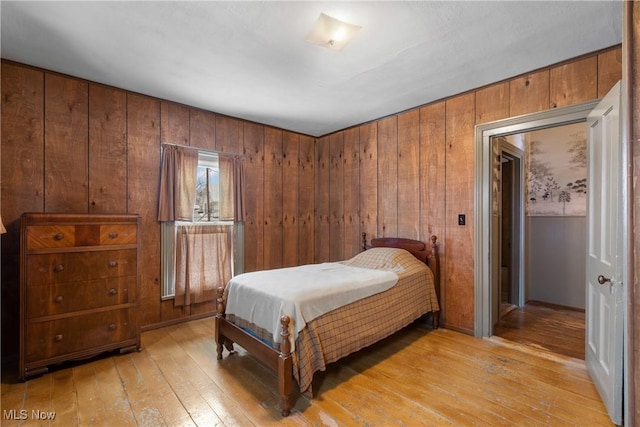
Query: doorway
x=525 y=166
x=488 y=270
x=607 y=250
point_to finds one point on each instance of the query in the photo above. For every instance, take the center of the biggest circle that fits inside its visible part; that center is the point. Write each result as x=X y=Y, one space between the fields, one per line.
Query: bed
x=262 y=312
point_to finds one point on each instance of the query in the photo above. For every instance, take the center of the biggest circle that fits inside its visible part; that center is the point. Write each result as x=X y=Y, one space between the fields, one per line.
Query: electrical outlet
x=462 y=219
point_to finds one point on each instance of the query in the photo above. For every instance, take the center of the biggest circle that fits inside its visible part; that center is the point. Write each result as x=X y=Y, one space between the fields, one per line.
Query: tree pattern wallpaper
x=556 y=171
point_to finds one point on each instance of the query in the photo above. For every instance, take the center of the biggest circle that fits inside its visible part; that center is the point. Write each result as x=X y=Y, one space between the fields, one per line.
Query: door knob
x=602 y=280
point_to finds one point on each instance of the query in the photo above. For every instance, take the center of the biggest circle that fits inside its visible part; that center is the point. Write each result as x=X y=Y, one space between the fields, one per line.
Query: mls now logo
x=23 y=414
x=14 y=414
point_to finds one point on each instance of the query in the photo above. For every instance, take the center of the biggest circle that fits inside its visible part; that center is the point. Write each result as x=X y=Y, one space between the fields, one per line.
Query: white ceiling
x=250 y=59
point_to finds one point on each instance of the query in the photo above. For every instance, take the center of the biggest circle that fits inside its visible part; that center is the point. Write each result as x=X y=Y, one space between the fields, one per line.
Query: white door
x=605 y=250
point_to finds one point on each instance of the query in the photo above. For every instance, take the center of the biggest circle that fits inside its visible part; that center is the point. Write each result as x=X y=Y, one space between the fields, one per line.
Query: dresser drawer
x=50 y=236
x=118 y=234
x=77 y=296
x=56 y=268
x=73 y=334
x=66 y=236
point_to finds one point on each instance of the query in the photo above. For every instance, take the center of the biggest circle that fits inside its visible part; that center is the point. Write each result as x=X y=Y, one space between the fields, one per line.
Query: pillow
x=393 y=259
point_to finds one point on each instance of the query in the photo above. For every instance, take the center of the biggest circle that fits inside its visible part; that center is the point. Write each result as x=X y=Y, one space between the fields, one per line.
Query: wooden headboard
x=417 y=248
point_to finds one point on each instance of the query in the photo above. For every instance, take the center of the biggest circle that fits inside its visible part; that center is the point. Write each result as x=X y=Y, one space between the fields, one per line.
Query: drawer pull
x=112 y=327
x=58 y=337
x=58 y=236
x=58 y=268
x=113 y=235
x=113 y=291
x=58 y=299
x=113 y=264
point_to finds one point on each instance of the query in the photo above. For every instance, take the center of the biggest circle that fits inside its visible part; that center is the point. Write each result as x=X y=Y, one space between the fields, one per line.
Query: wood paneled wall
x=69 y=145
x=416 y=170
x=72 y=145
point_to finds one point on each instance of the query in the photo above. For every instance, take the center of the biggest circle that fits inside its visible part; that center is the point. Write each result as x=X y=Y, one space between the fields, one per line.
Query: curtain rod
x=220 y=153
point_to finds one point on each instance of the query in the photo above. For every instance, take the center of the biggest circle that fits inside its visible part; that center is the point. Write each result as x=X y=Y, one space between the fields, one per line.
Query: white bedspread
x=303 y=293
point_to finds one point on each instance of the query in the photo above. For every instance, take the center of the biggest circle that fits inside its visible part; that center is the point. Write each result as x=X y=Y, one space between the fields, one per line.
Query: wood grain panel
x=433 y=179
x=574 y=82
x=202 y=129
x=169 y=313
x=229 y=134
x=609 y=70
x=253 y=141
x=174 y=123
x=107 y=150
x=492 y=103
x=290 y=176
x=388 y=177
x=336 y=196
x=313 y=239
x=368 y=194
x=352 y=237
x=66 y=115
x=21 y=181
x=203 y=308
x=273 y=198
x=174 y=129
x=408 y=174
x=529 y=94
x=323 y=167
x=22 y=149
x=458 y=274
x=143 y=160
x=306 y=200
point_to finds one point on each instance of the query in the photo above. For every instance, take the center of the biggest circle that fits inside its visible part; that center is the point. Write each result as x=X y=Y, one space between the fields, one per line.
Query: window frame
x=168 y=231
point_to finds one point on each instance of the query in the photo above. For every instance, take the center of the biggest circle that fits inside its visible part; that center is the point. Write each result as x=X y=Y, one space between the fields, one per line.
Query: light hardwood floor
x=416 y=377
x=546 y=326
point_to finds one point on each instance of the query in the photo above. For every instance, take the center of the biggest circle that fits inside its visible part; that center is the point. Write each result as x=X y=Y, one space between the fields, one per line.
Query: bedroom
x=60 y=175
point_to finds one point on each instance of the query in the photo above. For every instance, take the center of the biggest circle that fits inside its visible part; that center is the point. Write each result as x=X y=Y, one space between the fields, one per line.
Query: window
x=207 y=206
x=200 y=255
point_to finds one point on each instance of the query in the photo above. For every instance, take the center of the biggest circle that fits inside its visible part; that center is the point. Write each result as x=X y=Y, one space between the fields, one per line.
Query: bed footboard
x=281 y=362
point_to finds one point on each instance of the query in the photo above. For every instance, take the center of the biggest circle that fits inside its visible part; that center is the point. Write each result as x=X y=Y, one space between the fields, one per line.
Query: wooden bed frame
x=281 y=362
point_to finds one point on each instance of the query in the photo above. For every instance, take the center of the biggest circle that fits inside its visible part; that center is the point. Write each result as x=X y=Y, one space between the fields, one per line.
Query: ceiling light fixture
x=331 y=33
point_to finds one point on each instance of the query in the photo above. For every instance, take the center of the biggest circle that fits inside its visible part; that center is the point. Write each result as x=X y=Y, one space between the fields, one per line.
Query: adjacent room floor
x=548 y=327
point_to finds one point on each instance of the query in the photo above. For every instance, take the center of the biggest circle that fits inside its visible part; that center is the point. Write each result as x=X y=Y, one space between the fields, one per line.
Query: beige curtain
x=203 y=262
x=177 y=183
x=231 y=182
x=225 y=165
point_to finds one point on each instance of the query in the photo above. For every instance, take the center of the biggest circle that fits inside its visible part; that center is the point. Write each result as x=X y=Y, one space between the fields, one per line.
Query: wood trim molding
x=171 y=322
x=631 y=131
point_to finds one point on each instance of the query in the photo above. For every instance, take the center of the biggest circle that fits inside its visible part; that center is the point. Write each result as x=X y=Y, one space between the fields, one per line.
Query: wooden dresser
x=79 y=280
